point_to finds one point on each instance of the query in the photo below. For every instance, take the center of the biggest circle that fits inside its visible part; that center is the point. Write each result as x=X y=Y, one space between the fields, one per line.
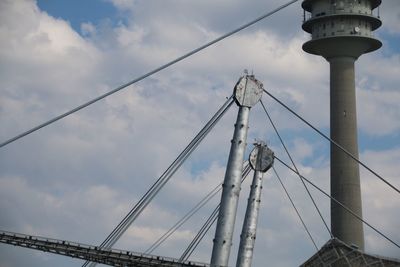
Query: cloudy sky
x=76 y=179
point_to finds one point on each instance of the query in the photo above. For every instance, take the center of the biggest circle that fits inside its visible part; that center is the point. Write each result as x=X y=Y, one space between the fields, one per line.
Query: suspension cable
x=339 y=203
x=295 y=167
x=182 y=157
x=207 y=225
x=332 y=141
x=113 y=237
x=298 y=214
x=295 y=208
x=199 y=236
x=34 y=129
x=135 y=212
x=187 y=216
x=244 y=176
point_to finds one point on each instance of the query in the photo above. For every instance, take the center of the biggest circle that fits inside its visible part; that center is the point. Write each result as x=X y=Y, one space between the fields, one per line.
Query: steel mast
x=247 y=93
x=261 y=160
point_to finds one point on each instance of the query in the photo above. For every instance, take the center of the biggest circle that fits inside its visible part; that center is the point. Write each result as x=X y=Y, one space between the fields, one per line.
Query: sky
x=77 y=178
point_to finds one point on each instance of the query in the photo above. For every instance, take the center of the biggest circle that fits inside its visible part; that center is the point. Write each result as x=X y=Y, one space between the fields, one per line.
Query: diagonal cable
x=113 y=237
x=147 y=74
x=298 y=213
x=207 y=225
x=187 y=216
x=332 y=142
x=340 y=204
x=139 y=207
x=186 y=152
x=199 y=236
x=295 y=208
x=184 y=219
x=295 y=167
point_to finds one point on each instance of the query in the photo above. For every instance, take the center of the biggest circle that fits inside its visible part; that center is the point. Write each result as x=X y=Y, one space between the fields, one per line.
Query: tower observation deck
x=341 y=27
x=341 y=31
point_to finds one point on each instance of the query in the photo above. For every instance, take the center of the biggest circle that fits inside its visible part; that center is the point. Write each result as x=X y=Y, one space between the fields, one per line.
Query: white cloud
x=123 y=4
x=42 y=58
x=379 y=115
x=88 y=29
x=77 y=178
x=390 y=14
x=380 y=201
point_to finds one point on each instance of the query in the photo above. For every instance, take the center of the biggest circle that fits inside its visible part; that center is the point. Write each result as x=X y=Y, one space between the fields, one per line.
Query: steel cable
x=340 y=204
x=113 y=237
x=295 y=167
x=34 y=129
x=332 y=142
x=298 y=213
x=207 y=225
x=203 y=230
x=185 y=218
x=173 y=167
x=121 y=228
x=244 y=176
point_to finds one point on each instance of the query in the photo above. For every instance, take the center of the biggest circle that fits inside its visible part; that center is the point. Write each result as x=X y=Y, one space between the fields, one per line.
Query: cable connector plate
x=248 y=91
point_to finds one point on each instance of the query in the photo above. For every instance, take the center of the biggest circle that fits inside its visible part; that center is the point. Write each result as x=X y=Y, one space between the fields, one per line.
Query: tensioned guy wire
x=339 y=203
x=209 y=222
x=297 y=212
x=186 y=217
x=295 y=167
x=34 y=129
x=199 y=236
x=113 y=237
x=332 y=141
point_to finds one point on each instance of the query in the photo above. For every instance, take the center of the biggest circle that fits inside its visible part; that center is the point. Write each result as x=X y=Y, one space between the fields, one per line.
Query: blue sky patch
x=77 y=12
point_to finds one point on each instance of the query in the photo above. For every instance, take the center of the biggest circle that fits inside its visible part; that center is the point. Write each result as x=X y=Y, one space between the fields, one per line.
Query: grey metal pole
x=230 y=193
x=247 y=93
x=248 y=236
x=261 y=159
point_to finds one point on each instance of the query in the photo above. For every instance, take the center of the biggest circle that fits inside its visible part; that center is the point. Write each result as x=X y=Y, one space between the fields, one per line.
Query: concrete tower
x=341 y=31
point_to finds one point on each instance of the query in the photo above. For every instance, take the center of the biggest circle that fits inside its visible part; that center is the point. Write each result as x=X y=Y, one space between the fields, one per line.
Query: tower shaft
x=345 y=175
x=341 y=31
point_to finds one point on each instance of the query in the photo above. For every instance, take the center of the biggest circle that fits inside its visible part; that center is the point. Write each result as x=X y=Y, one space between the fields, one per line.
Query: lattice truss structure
x=113 y=257
x=336 y=253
